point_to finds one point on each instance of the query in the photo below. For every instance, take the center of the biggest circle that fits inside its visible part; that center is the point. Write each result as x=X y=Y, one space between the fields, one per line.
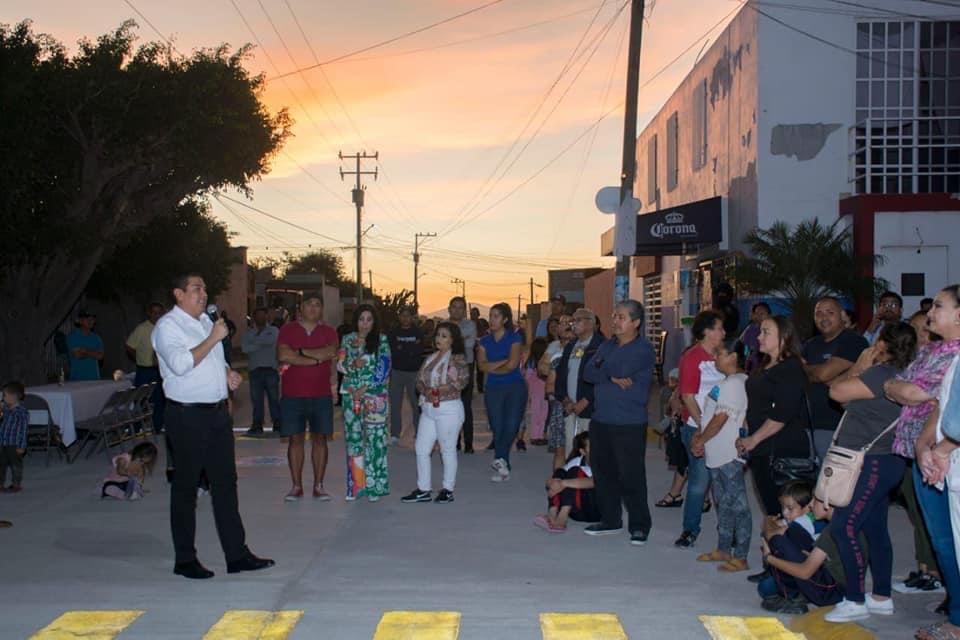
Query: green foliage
x=804 y=264
x=321 y=261
x=97 y=145
x=188 y=240
x=390 y=304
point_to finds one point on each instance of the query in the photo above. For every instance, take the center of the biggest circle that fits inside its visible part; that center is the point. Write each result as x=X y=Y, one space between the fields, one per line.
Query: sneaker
x=914 y=579
x=500 y=476
x=416 y=496
x=497 y=464
x=772 y=603
x=294 y=494
x=639 y=538
x=502 y=470
x=601 y=529
x=847 y=611
x=685 y=541
x=927 y=582
x=444 y=497
x=542 y=521
x=350 y=498
x=320 y=494
x=879 y=607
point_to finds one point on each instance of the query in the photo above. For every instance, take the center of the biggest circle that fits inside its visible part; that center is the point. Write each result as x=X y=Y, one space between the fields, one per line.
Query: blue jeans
x=505 y=404
x=265 y=380
x=935 y=507
x=698 y=482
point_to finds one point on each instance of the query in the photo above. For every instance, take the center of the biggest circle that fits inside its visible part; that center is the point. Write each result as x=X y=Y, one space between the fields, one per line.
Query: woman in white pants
x=442 y=377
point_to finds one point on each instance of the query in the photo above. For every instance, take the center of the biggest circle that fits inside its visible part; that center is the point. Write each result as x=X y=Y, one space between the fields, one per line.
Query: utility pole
x=357 y=192
x=416 y=264
x=532 y=285
x=519 y=299
x=371 y=281
x=463 y=286
x=628 y=174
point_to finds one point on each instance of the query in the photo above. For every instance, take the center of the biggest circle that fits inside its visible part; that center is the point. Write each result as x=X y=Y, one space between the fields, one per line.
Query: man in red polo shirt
x=305 y=349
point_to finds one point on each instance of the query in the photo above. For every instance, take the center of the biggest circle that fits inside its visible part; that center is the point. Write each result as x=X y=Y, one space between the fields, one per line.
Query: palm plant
x=803 y=264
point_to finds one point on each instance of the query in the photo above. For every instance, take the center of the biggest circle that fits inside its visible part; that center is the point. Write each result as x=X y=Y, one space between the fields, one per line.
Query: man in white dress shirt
x=196 y=380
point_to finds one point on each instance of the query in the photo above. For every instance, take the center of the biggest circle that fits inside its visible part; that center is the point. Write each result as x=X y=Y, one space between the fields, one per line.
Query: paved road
x=345 y=564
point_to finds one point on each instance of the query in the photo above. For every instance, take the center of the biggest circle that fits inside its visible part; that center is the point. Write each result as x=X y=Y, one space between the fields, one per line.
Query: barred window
x=907 y=133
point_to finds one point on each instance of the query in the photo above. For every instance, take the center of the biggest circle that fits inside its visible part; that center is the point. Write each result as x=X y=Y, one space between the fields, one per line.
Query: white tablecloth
x=76 y=401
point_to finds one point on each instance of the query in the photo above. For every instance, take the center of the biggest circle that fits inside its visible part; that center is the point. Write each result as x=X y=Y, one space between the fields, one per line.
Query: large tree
x=141 y=269
x=97 y=145
x=805 y=263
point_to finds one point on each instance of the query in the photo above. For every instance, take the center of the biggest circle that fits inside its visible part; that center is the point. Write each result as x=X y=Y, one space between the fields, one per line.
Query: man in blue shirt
x=621 y=372
x=85 y=349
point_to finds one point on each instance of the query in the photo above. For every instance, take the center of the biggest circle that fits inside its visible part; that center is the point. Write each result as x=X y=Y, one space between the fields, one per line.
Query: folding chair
x=106 y=428
x=42 y=433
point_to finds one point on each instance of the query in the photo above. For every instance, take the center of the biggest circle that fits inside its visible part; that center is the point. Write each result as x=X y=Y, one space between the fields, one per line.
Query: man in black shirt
x=406 y=353
x=828 y=356
x=731 y=315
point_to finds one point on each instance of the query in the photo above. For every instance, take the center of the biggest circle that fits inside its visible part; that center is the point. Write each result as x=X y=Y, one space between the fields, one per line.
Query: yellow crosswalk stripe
x=814 y=627
x=581 y=626
x=418 y=625
x=752 y=628
x=90 y=625
x=254 y=625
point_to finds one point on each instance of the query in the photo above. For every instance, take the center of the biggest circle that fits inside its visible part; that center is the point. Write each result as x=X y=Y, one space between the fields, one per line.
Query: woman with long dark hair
x=777 y=416
x=867 y=423
x=364 y=359
x=440 y=380
x=505 y=396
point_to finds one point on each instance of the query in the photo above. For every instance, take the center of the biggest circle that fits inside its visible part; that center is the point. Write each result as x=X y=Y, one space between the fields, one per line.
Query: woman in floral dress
x=364 y=360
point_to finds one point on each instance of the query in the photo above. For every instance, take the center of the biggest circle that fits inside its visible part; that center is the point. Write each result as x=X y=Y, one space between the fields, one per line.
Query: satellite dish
x=608 y=199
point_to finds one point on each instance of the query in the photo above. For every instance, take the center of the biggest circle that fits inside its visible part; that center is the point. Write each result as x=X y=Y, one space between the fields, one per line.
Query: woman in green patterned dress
x=364 y=360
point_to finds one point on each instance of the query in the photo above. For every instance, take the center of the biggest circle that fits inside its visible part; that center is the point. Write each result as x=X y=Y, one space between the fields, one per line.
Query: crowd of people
x=760 y=401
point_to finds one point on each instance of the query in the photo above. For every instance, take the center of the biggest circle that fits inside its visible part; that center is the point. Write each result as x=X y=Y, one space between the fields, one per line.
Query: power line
x=410 y=220
x=482 y=191
x=279 y=219
x=390 y=40
x=151 y=25
x=485 y=36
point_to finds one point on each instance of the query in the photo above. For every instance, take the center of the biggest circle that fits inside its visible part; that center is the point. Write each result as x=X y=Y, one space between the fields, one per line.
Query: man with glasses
x=572 y=390
x=889 y=311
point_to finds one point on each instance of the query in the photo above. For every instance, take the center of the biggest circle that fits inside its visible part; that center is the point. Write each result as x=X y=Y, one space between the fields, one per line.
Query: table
x=75 y=401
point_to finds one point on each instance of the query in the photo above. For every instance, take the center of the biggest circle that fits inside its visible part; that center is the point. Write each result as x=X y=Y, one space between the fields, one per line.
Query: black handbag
x=791 y=469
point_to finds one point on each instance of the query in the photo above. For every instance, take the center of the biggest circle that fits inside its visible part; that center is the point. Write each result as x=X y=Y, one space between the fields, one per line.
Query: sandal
x=733 y=565
x=937 y=631
x=714 y=556
x=670 y=500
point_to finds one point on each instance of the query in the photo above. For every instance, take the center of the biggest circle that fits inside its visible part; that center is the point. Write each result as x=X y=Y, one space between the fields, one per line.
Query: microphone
x=212 y=312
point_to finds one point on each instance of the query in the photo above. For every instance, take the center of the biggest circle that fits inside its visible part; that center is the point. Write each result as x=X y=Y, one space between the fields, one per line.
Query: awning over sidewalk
x=666 y=232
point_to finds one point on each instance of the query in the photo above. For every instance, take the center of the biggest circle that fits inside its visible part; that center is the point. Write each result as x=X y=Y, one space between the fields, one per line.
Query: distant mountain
x=442 y=313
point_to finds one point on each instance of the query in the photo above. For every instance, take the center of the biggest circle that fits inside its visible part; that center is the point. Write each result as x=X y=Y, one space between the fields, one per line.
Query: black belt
x=198 y=405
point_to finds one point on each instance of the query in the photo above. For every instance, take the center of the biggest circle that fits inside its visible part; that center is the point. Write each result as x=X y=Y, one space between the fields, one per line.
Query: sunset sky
x=443 y=119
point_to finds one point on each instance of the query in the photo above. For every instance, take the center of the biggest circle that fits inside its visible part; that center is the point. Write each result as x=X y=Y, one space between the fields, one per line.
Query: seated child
x=814 y=576
x=125 y=481
x=570 y=490
x=14 y=420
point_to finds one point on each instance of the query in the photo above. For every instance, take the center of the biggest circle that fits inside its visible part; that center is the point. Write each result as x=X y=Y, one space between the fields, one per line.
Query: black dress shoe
x=193 y=570
x=249 y=562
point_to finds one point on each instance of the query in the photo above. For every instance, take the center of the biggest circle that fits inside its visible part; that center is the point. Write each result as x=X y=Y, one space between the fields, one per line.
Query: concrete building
x=817 y=110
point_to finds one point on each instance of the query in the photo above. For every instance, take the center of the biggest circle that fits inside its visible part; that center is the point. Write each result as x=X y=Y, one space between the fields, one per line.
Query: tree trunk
x=36 y=298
